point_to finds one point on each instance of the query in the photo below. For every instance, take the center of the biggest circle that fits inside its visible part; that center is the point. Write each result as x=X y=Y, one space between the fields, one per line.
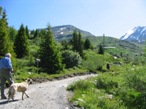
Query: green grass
x=31 y=72
x=126 y=84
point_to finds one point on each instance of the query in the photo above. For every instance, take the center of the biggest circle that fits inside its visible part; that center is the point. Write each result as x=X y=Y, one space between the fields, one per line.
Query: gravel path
x=47 y=95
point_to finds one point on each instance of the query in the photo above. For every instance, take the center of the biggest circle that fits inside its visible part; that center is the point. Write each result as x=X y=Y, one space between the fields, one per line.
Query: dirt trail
x=47 y=95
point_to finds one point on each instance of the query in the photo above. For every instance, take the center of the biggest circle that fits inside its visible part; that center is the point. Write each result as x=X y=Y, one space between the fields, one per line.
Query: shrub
x=132 y=91
x=106 y=82
x=71 y=59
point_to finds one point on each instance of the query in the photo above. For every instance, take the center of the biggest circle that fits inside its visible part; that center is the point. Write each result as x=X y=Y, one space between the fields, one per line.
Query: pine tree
x=77 y=43
x=21 y=43
x=27 y=32
x=101 y=49
x=6 y=44
x=80 y=42
x=74 y=41
x=36 y=34
x=87 y=44
x=50 y=56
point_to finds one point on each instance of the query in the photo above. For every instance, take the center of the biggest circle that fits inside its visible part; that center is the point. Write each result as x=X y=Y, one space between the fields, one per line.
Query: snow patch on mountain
x=137 y=34
x=61 y=32
x=63 y=28
x=128 y=34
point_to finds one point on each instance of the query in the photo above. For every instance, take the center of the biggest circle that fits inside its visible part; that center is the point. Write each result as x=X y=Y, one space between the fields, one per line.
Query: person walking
x=5 y=73
x=108 y=66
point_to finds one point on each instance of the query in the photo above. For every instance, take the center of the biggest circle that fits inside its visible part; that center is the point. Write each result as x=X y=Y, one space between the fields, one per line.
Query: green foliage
x=77 y=43
x=12 y=33
x=36 y=34
x=82 y=85
x=101 y=49
x=123 y=88
x=51 y=60
x=136 y=79
x=106 y=103
x=81 y=45
x=107 y=82
x=86 y=95
x=21 y=43
x=133 y=93
x=6 y=45
x=70 y=58
x=43 y=33
x=65 y=45
x=34 y=49
x=92 y=61
x=27 y=32
x=87 y=44
x=24 y=69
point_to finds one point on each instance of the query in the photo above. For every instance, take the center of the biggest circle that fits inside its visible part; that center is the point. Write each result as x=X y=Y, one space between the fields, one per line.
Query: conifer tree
x=101 y=49
x=81 y=47
x=77 y=43
x=87 y=44
x=36 y=34
x=21 y=43
x=6 y=44
x=49 y=54
x=27 y=32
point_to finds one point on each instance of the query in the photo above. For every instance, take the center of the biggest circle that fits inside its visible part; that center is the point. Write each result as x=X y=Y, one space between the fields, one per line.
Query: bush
x=71 y=59
x=132 y=91
x=107 y=82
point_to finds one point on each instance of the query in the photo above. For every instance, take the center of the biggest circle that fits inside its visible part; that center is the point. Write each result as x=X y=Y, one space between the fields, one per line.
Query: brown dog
x=20 y=87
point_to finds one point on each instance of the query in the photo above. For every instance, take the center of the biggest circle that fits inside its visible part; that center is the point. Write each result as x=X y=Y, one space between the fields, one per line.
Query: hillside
x=116 y=46
x=65 y=32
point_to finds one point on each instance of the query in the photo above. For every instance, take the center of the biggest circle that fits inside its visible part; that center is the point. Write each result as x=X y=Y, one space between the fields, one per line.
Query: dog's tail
x=11 y=93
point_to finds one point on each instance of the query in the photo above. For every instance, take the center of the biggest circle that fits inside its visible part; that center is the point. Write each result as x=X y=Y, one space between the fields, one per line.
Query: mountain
x=115 y=45
x=66 y=32
x=137 y=34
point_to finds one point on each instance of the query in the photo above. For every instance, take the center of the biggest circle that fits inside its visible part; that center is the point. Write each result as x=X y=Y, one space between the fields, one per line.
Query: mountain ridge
x=66 y=31
x=137 y=34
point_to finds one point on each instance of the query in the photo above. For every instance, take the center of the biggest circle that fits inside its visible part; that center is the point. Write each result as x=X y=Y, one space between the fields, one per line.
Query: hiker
x=108 y=66
x=5 y=72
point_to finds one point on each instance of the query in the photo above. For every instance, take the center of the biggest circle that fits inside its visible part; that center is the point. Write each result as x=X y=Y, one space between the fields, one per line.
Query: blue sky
x=110 y=17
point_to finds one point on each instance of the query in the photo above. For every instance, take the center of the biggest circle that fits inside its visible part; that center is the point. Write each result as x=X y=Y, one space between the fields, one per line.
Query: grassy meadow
x=122 y=87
